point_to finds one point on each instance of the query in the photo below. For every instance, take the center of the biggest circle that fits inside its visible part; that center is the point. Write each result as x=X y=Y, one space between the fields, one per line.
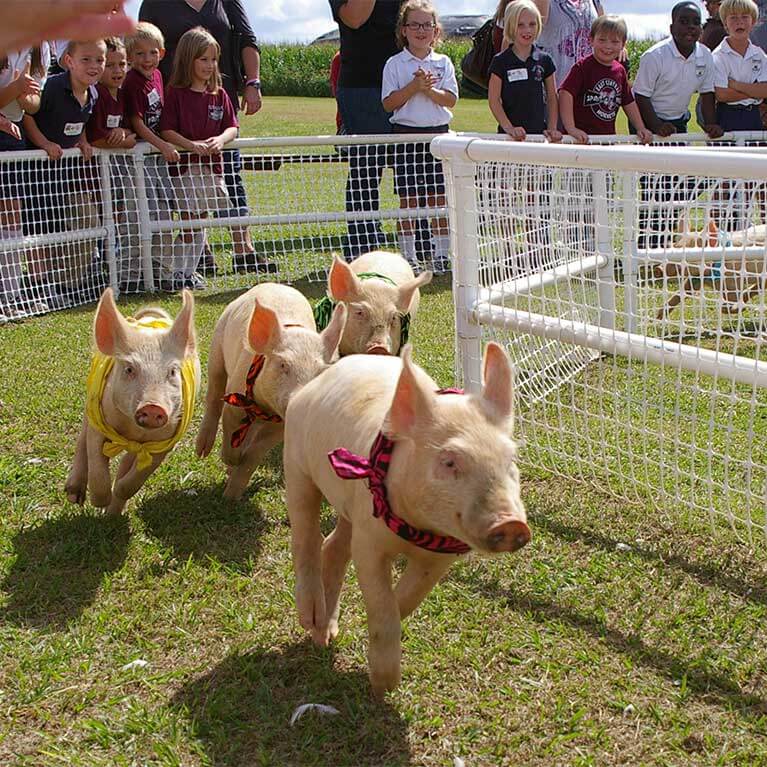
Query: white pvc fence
x=640 y=353
x=69 y=228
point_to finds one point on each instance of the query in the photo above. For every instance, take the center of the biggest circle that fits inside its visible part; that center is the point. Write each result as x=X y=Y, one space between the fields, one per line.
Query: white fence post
x=630 y=257
x=144 y=218
x=604 y=246
x=464 y=243
x=108 y=219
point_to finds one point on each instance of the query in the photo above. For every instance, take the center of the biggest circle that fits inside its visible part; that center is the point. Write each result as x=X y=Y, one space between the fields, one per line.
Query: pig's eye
x=284 y=367
x=392 y=320
x=173 y=372
x=129 y=371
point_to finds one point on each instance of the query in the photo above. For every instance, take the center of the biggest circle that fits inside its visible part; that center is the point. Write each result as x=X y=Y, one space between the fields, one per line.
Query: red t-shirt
x=197 y=116
x=109 y=113
x=335 y=71
x=598 y=92
x=144 y=98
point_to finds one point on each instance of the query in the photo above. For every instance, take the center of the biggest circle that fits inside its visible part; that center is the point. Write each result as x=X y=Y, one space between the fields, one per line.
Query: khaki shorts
x=200 y=190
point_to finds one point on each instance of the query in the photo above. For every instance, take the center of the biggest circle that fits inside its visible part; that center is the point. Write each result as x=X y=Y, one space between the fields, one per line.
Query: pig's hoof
x=321 y=637
x=116 y=507
x=101 y=500
x=332 y=629
x=76 y=493
x=233 y=492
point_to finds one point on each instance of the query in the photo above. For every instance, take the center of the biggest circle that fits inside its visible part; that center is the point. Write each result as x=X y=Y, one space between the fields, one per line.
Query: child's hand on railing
x=645 y=136
x=54 y=151
x=6 y=126
x=169 y=152
x=554 y=136
x=215 y=144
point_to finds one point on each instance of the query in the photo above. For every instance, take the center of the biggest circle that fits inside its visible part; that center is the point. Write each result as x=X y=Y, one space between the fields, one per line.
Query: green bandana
x=323 y=309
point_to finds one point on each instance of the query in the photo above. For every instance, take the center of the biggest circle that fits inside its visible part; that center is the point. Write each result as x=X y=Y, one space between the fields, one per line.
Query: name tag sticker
x=515 y=75
x=73 y=129
x=153 y=97
x=113 y=121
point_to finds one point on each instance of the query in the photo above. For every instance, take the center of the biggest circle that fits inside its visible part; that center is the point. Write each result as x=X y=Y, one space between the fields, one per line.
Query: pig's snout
x=377 y=349
x=151 y=417
x=508 y=536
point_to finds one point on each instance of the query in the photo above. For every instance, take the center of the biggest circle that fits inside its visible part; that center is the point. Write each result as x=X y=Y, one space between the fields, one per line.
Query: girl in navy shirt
x=198 y=117
x=522 y=93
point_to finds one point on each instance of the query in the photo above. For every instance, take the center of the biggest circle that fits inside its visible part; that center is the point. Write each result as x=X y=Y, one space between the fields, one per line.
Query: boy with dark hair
x=597 y=87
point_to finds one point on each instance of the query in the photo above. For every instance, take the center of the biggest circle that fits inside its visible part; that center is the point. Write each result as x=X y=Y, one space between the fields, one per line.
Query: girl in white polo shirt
x=419 y=87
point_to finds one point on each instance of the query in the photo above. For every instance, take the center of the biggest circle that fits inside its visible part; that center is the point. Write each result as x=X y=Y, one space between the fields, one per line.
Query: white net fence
x=628 y=285
x=273 y=209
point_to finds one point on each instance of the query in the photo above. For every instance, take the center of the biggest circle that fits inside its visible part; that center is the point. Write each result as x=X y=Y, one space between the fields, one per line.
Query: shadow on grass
x=711 y=686
x=240 y=712
x=60 y=565
x=205 y=525
x=705 y=573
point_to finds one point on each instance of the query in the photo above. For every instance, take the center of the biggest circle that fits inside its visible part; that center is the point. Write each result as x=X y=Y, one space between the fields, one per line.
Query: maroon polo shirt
x=144 y=98
x=108 y=114
x=197 y=116
x=598 y=92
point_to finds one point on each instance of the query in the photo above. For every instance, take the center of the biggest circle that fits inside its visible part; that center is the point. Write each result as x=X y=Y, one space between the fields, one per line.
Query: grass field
x=620 y=636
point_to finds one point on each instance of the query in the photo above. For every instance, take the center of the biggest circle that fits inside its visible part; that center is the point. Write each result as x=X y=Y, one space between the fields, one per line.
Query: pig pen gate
x=563 y=255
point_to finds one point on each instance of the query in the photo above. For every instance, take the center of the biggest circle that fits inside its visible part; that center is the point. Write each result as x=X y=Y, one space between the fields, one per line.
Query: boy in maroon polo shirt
x=144 y=97
x=597 y=86
x=107 y=129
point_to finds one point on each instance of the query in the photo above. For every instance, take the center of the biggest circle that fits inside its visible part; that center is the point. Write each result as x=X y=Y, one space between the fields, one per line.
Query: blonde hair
x=607 y=25
x=192 y=46
x=145 y=32
x=416 y=5
x=73 y=45
x=736 y=7
x=511 y=19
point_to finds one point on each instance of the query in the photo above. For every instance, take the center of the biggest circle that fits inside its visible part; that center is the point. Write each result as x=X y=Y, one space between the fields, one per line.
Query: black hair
x=679 y=7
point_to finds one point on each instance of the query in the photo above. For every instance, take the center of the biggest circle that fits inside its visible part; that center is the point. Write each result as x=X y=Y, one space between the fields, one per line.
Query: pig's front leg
x=336 y=551
x=384 y=629
x=76 y=486
x=130 y=480
x=419 y=578
x=214 y=402
x=268 y=435
x=303 y=501
x=99 y=478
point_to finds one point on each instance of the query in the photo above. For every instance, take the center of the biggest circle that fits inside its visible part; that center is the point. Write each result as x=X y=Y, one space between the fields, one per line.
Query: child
x=59 y=196
x=419 y=87
x=741 y=69
x=21 y=77
x=522 y=91
x=143 y=93
x=200 y=118
x=597 y=86
x=671 y=71
x=107 y=130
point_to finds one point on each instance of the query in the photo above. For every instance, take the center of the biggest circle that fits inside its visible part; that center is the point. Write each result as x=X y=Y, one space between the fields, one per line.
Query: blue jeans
x=233 y=179
x=362 y=113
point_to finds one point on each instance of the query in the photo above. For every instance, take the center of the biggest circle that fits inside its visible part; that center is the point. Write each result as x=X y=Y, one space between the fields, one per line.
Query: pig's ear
x=264 y=332
x=110 y=330
x=182 y=333
x=343 y=283
x=407 y=290
x=497 y=391
x=331 y=336
x=412 y=404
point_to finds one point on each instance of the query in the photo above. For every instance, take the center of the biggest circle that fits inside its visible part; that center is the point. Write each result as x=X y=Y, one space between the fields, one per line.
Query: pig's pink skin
x=453 y=472
x=375 y=305
x=142 y=399
x=275 y=321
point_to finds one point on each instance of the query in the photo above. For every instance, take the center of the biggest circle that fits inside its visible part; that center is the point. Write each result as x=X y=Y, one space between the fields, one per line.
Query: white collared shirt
x=419 y=111
x=669 y=79
x=730 y=65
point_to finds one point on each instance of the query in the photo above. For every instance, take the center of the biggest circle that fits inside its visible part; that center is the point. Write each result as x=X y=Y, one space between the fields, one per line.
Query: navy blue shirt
x=365 y=50
x=522 y=88
x=62 y=119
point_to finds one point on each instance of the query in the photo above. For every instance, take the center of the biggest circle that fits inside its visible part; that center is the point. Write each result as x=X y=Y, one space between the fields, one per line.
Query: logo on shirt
x=537 y=72
x=756 y=66
x=700 y=71
x=215 y=112
x=604 y=99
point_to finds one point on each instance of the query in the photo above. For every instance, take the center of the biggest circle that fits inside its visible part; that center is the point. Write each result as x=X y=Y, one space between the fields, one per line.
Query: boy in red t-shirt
x=597 y=86
x=144 y=98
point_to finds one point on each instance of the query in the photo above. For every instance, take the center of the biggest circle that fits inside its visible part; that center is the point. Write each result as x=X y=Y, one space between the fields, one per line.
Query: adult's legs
x=362 y=113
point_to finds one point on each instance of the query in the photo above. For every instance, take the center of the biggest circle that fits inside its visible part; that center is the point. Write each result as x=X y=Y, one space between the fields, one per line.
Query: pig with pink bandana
x=410 y=470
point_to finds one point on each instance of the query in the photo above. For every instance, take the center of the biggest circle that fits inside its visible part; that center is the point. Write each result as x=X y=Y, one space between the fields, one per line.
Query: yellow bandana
x=101 y=365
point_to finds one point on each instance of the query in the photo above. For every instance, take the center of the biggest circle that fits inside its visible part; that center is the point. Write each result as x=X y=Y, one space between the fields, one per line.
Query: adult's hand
x=251 y=100
x=24 y=23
